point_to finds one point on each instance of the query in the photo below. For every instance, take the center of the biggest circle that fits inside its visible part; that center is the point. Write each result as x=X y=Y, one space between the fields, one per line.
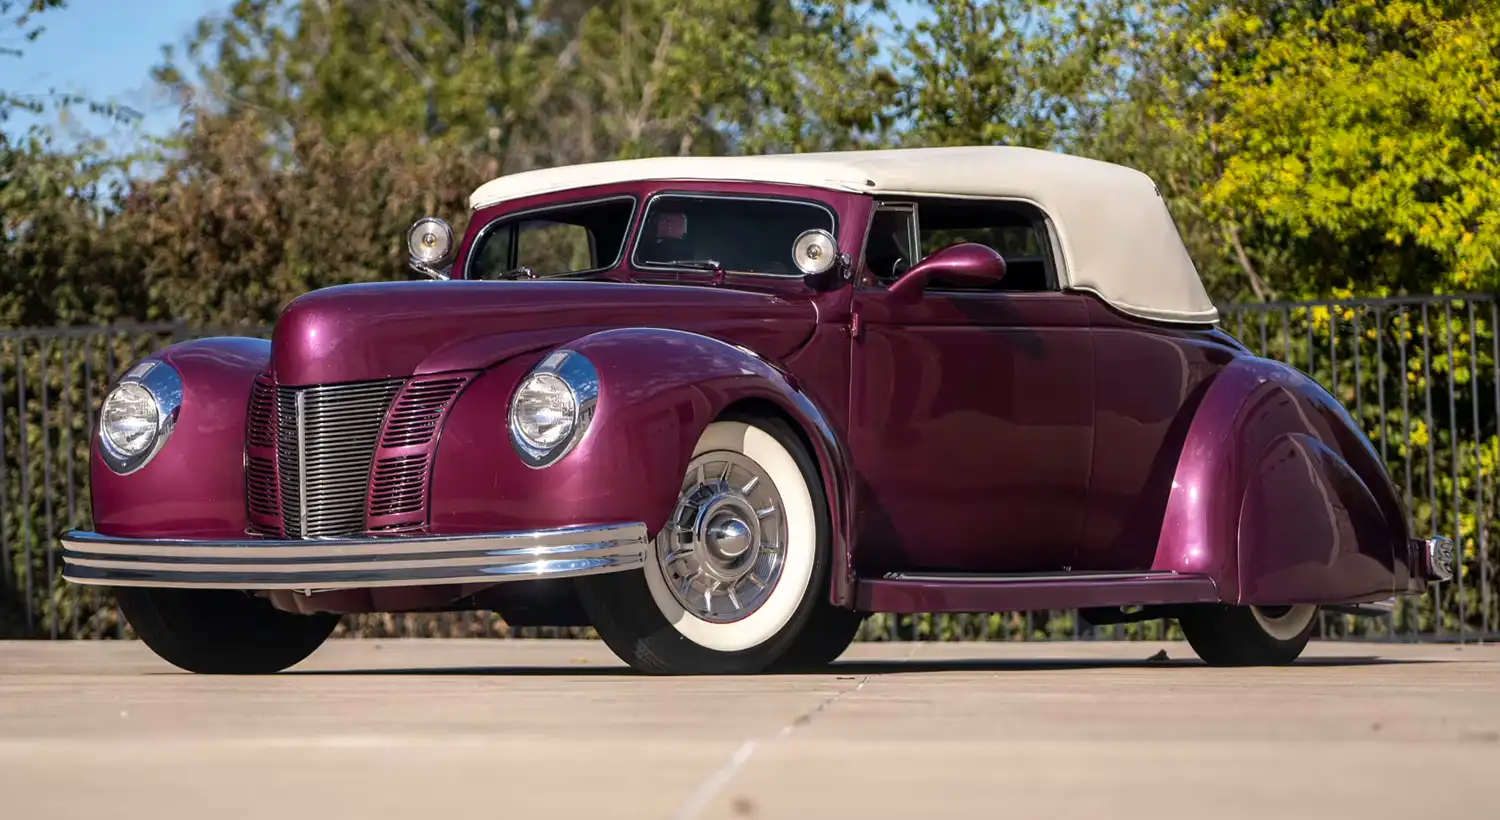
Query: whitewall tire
x=738 y=571
x=1249 y=635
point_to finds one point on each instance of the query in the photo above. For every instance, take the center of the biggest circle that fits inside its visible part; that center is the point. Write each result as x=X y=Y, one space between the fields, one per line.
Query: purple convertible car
x=721 y=408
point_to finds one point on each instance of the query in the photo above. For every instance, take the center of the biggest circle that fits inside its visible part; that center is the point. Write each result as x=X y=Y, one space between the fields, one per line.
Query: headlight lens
x=544 y=411
x=129 y=419
x=553 y=407
x=139 y=415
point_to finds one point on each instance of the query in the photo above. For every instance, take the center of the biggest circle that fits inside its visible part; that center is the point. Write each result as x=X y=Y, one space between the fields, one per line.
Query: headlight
x=545 y=411
x=139 y=415
x=552 y=408
x=128 y=419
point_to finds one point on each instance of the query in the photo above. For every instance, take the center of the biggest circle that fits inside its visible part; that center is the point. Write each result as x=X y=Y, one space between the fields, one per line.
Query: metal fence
x=1421 y=373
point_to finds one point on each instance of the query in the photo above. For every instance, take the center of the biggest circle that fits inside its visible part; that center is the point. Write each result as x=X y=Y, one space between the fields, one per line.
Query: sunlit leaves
x=1370 y=123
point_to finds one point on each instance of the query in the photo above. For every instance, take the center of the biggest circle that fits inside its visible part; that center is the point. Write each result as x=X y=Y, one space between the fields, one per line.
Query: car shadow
x=863 y=668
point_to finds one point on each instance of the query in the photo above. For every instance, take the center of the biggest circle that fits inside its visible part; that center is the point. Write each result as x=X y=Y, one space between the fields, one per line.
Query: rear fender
x=194 y=487
x=1280 y=498
x=658 y=391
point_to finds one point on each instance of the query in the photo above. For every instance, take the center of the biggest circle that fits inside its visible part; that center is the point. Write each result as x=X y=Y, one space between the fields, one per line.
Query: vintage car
x=721 y=408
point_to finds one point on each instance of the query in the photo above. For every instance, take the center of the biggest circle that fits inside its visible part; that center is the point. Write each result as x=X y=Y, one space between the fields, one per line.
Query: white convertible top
x=1113 y=230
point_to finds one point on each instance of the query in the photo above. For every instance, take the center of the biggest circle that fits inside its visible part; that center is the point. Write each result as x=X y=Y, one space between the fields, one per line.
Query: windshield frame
x=505 y=219
x=640 y=228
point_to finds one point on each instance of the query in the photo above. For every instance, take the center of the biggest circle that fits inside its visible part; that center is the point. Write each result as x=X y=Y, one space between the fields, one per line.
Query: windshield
x=741 y=234
x=569 y=239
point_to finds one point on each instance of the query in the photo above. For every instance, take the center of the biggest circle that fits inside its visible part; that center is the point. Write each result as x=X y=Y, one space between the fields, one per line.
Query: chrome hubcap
x=722 y=551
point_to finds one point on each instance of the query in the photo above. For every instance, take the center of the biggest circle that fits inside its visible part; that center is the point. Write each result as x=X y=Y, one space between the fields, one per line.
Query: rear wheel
x=738 y=571
x=222 y=632
x=1249 y=635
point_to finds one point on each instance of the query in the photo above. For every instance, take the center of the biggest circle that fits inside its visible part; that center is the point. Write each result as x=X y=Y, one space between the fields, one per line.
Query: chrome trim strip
x=340 y=563
x=301 y=404
x=1030 y=577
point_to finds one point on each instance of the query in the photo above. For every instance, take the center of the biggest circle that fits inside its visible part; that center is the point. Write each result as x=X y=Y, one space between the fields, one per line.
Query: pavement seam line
x=715 y=783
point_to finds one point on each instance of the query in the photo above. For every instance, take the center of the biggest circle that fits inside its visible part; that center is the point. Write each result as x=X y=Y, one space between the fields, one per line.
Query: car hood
x=397 y=329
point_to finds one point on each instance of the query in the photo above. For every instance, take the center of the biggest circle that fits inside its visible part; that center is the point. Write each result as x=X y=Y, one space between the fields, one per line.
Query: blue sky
x=105 y=49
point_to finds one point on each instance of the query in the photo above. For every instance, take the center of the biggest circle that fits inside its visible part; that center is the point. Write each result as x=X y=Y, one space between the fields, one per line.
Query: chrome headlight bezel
x=164 y=385
x=576 y=373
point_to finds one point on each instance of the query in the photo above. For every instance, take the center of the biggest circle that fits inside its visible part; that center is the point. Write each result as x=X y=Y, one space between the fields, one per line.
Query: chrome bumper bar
x=1437 y=558
x=344 y=563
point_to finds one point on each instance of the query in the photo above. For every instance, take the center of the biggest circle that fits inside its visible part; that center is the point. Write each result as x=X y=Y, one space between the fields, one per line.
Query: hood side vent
x=403 y=463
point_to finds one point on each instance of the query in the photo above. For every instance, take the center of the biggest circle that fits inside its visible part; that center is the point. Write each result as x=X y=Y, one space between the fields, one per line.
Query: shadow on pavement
x=869 y=667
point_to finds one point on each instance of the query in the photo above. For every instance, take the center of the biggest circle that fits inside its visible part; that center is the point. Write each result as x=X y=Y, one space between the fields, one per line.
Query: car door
x=971 y=418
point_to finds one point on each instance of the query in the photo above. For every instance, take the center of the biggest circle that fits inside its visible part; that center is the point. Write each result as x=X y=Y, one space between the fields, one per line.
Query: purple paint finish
x=1149 y=384
x=1279 y=498
x=659 y=390
x=971 y=432
x=820 y=370
x=967 y=264
x=398 y=329
x=195 y=487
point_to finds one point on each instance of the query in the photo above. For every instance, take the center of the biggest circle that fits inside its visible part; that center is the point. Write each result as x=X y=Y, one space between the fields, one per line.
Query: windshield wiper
x=695 y=264
x=698 y=264
x=515 y=273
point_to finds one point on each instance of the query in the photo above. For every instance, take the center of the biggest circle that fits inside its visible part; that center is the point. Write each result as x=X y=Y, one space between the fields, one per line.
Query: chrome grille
x=399 y=485
x=325 y=442
x=416 y=416
x=260 y=428
x=260 y=486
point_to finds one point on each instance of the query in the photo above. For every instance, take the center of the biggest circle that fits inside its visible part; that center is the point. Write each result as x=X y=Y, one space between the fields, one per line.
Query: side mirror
x=429 y=247
x=968 y=263
x=816 y=254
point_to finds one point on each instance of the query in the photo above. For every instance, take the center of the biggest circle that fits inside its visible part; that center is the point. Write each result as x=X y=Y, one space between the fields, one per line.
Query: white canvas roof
x=1114 y=232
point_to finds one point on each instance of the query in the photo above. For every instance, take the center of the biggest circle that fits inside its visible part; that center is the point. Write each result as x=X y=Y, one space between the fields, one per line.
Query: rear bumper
x=352 y=563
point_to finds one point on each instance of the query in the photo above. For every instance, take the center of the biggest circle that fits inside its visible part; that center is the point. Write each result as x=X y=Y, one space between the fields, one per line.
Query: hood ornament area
x=429 y=247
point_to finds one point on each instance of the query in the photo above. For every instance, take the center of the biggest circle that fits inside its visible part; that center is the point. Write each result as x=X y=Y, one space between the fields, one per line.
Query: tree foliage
x=1362 y=135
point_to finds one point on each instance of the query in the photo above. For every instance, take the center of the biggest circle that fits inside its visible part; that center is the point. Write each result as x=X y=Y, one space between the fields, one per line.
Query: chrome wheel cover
x=722 y=550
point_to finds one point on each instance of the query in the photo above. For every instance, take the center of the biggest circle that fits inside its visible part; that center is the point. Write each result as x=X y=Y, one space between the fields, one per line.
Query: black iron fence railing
x=1421 y=373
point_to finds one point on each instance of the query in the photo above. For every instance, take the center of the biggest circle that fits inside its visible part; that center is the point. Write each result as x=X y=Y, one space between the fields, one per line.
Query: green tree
x=1359 y=139
x=1038 y=74
x=531 y=84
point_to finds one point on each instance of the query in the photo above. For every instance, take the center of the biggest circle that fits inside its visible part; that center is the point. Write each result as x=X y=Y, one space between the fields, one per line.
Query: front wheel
x=222 y=632
x=1248 y=635
x=739 y=569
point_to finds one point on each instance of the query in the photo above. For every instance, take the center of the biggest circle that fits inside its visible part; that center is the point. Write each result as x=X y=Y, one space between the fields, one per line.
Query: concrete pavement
x=431 y=729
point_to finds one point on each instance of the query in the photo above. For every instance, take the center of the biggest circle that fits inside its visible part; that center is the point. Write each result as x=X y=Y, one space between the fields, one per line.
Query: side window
x=891 y=246
x=555 y=247
x=1018 y=231
x=567 y=239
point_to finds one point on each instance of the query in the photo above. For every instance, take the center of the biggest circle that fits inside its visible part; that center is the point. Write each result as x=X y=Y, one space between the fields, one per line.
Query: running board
x=955 y=592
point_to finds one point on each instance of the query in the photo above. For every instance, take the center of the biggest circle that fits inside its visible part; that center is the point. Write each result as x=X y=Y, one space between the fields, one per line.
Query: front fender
x=1280 y=498
x=194 y=487
x=658 y=391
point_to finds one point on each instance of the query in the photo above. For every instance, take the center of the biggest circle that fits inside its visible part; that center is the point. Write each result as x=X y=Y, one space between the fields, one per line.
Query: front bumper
x=352 y=563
